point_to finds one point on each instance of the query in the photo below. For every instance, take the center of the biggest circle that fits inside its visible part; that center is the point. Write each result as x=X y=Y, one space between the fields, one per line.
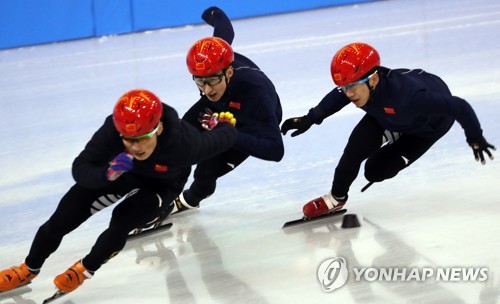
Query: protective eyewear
x=349 y=86
x=210 y=80
x=141 y=138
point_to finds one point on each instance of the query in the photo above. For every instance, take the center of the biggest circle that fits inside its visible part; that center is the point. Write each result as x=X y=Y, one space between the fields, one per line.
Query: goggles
x=210 y=80
x=349 y=86
x=141 y=138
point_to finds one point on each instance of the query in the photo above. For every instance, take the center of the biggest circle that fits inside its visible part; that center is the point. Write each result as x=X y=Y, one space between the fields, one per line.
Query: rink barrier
x=29 y=22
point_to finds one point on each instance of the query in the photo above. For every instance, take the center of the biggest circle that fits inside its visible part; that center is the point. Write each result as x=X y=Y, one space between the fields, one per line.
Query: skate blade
x=144 y=232
x=57 y=295
x=16 y=291
x=309 y=220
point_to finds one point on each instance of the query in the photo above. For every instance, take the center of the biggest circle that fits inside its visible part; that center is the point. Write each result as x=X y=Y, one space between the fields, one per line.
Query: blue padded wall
x=29 y=22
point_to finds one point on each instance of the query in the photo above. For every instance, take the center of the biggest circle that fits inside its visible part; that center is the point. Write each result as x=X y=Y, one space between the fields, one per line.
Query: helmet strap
x=371 y=87
x=372 y=90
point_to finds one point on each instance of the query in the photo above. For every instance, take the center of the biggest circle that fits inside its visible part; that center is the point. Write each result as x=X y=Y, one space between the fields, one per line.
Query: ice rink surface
x=440 y=213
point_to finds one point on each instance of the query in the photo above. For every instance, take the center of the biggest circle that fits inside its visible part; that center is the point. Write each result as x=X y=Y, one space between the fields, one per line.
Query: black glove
x=302 y=124
x=479 y=146
x=207 y=15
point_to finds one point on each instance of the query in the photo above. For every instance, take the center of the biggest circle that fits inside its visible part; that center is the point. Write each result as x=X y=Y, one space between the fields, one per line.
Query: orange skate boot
x=72 y=278
x=16 y=276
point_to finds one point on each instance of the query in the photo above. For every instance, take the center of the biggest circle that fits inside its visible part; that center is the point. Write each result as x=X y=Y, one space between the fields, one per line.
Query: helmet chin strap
x=371 y=89
x=225 y=75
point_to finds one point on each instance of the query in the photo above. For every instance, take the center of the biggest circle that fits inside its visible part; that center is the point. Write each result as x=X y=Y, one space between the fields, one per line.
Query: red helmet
x=209 y=55
x=137 y=112
x=352 y=62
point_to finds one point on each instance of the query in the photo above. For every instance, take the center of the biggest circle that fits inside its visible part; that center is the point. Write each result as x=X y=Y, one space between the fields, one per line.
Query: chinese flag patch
x=389 y=111
x=234 y=104
x=161 y=168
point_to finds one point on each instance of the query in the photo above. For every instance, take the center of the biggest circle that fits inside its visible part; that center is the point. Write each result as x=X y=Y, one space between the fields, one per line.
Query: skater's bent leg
x=207 y=173
x=384 y=166
x=134 y=212
x=71 y=212
x=391 y=159
x=363 y=141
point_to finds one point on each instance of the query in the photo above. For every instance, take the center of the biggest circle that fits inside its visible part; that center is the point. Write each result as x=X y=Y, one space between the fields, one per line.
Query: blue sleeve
x=441 y=104
x=264 y=140
x=329 y=105
x=198 y=146
x=220 y=22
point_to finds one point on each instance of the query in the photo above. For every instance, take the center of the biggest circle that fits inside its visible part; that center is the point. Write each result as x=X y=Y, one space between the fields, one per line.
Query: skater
x=228 y=81
x=142 y=155
x=408 y=110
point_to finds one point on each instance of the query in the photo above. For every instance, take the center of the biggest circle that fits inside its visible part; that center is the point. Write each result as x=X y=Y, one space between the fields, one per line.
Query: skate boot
x=16 y=276
x=72 y=278
x=323 y=205
x=180 y=204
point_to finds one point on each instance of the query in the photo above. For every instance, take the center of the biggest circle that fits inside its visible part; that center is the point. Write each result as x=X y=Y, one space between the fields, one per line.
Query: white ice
x=441 y=212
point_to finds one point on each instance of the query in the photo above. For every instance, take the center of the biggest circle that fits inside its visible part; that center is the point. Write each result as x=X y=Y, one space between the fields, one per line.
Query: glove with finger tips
x=208 y=119
x=479 y=146
x=300 y=124
x=122 y=163
x=227 y=117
